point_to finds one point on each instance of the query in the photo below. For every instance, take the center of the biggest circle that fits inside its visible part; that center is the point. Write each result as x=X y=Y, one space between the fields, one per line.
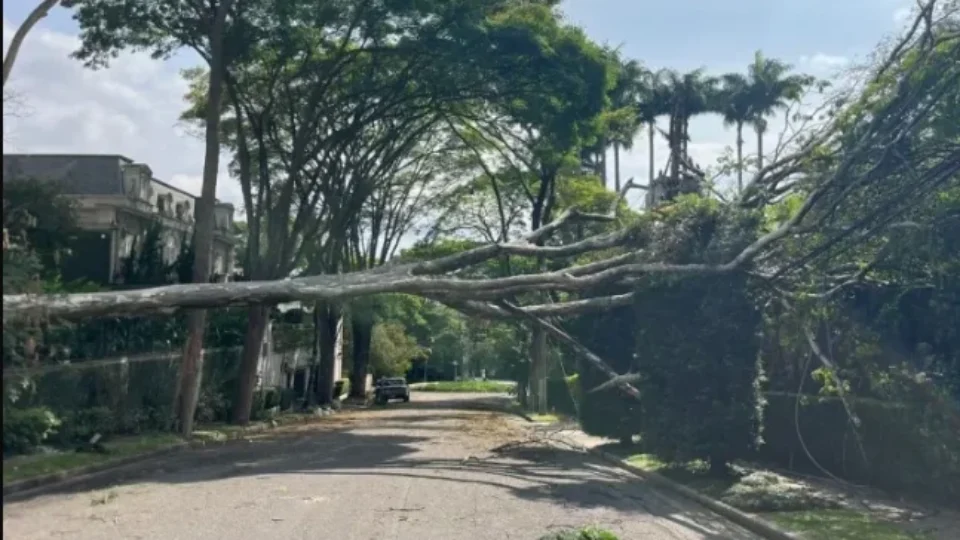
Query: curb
x=63 y=478
x=750 y=522
x=38 y=485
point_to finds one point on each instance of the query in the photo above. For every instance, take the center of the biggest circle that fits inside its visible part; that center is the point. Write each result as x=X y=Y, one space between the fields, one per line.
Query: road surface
x=427 y=470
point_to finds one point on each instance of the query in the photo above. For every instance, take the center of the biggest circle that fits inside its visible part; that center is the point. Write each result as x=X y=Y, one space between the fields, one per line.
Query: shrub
x=212 y=406
x=698 y=358
x=582 y=534
x=26 y=429
x=80 y=426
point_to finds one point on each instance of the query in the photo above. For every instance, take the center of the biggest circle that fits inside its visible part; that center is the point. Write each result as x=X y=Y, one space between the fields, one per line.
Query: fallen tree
x=856 y=159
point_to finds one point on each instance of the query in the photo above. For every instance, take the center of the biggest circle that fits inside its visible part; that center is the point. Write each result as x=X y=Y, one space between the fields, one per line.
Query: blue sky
x=132 y=107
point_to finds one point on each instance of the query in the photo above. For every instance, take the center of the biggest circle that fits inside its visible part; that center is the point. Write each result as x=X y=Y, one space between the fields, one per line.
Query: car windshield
x=394 y=382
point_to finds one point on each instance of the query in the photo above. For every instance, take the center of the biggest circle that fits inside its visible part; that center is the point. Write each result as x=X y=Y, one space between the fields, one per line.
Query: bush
x=212 y=406
x=908 y=449
x=26 y=429
x=80 y=426
x=698 y=355
x=583 y=534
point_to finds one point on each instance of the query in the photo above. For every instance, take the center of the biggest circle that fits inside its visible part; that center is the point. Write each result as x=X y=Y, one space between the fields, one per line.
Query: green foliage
x=392 y=350
x=700 y=397
x=909 y=446
x=589 y=533
x=468 y=386
x=26 y=429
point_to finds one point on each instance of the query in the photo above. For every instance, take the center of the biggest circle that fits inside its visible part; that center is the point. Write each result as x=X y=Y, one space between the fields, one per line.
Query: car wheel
x=406 y=399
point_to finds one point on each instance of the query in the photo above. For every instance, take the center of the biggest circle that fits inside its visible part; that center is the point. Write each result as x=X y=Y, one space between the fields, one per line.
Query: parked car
x=391 y=388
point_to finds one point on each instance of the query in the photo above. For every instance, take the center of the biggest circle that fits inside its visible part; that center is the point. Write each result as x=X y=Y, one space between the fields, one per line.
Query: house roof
x=77 y=174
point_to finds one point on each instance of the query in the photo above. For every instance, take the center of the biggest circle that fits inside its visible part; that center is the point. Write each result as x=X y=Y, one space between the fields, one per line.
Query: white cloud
x=822 y=63
x=131 y=108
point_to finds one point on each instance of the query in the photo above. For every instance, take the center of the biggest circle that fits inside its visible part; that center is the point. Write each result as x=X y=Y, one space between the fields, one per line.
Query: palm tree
x=735 y=105
x=654 y=101
x=771 y=89
x=624 y=98
x=692 y=93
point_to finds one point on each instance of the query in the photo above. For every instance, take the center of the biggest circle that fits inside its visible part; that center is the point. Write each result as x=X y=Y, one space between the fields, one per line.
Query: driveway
x=438 y=468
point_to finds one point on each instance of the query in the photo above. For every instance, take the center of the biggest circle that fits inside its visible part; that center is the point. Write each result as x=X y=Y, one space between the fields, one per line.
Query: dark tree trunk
x=328 y=317
x=739 y=157
x=191 y=367
x=362 y=334
x=257 y=318
x=616 y=166
x=651 y=133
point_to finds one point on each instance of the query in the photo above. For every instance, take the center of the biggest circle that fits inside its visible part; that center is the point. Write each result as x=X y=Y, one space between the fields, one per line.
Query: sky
x=132 y=107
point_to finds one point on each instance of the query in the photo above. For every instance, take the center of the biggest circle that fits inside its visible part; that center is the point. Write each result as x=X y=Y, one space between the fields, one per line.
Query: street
x=437 y=468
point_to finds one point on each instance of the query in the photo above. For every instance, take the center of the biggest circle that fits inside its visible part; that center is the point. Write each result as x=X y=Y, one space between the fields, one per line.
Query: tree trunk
x=328 y=318
x=651 y=133
x=603 y=163
x=362 y=333
x=760 y=131
x=192 y=365
x=257 y=318
x=739 y=157
x=538 y=380
x=616 y=166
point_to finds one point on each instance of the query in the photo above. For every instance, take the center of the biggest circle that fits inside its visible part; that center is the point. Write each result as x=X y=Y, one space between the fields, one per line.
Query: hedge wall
x=908 y=448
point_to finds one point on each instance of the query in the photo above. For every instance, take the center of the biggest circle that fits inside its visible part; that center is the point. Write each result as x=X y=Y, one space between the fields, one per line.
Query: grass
x=19 y=468
x=840 y=525
x=466 y=386
x=545 y=418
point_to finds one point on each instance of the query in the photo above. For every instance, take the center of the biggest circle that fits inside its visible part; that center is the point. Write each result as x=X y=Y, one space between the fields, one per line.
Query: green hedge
x=26 y=429
x=908 y=449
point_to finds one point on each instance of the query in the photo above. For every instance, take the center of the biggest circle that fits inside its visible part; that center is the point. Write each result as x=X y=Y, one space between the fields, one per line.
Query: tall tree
x=653 y=102
x=624 y=102
x=771 y=89
x=691 y=94
x=737 y=108
x=161 y=27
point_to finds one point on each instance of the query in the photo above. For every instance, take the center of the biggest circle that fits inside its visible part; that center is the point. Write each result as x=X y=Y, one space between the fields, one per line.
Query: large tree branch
x=20 y=35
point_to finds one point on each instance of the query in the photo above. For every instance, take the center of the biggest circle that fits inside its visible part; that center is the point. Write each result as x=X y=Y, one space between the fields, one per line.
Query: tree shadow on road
x=538 y=472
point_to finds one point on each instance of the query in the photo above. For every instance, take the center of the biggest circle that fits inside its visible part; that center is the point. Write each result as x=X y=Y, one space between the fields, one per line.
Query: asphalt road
x=429 y=470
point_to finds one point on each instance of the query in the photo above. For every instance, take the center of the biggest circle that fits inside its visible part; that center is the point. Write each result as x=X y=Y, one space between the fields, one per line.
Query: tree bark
x=651 y=133
x=538 y=379
x=760 y=131
x=192 y=365
x=20 y=35
x=328 y=317
x=257 y=318
x=362 y=334
x=603 y=163
x=616 y=166
x=739 y=157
